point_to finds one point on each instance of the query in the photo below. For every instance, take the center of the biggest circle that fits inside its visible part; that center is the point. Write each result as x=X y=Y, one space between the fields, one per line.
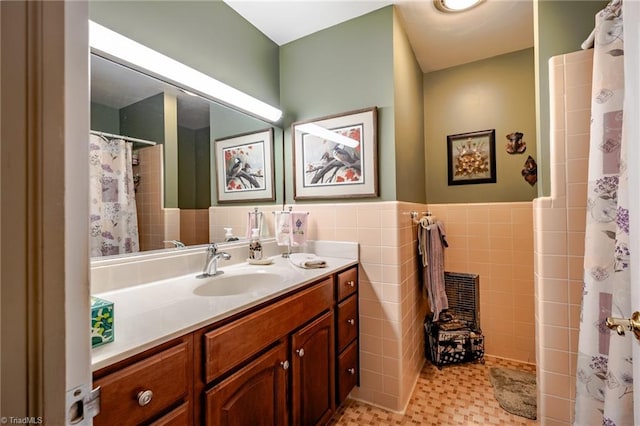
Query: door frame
x=631 y=16
x=45 y=363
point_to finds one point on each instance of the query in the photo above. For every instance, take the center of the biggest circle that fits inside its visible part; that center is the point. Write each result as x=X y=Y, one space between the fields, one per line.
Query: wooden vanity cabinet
x=238 y=357
x=290 y=361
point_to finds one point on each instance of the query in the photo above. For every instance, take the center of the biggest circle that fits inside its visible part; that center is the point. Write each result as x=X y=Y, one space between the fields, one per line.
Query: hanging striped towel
x=431 y=244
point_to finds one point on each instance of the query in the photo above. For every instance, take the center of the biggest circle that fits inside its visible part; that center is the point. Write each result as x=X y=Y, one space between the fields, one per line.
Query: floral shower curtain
x=113 y=213
x=604 y=393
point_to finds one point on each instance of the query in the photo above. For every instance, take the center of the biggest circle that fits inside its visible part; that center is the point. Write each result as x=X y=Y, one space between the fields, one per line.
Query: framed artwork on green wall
x=336 y=156
x=244 y=165
x=471 y=157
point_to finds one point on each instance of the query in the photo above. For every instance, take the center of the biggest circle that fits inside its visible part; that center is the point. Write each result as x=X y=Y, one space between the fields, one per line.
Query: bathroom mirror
x=176 y=177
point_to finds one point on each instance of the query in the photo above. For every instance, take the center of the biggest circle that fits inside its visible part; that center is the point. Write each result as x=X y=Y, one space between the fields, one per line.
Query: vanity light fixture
x=105 y=41
x=455 y=5
x=327 y=134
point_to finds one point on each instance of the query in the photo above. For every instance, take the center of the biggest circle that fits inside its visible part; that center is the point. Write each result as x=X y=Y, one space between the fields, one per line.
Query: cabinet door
x=254 y=395
x=313 y=357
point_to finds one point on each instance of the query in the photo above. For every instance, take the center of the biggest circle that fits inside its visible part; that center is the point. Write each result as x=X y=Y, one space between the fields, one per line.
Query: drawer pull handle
x=300 y=352
x=144 y=397
x=351 y=371
x=285 y=365
x=351 y=321
x=351 y=283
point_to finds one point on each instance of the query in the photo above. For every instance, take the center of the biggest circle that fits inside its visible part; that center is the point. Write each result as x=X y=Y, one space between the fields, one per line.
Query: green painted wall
x=561 y=26
x=409 y=122
x=202 y=169
x=194 y=188
x=186 y=170
x=343 y=68
x=105 y=119
x=496 y=93
x=206 y=35
x=144 y=119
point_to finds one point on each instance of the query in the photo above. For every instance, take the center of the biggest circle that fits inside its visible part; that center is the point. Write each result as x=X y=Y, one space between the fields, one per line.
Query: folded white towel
x=307 y=260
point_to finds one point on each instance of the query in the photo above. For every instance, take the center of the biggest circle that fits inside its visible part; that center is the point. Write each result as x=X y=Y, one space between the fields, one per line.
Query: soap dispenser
x=255 y=247
x=228 y=235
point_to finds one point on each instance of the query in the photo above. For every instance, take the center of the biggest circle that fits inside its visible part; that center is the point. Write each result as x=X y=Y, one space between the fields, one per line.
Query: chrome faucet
x=211 y=264
x=176 y=243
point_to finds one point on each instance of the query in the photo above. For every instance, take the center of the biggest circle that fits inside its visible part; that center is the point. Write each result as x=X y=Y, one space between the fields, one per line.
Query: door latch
x=620 y=325
x=83 y=404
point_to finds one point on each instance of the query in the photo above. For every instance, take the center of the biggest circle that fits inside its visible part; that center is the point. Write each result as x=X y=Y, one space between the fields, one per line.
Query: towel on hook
x=283 y=228
x=432 y=241
x=307 y=260
x=299 y=228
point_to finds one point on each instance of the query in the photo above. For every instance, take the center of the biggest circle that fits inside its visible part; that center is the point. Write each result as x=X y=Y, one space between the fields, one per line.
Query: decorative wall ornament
x=515 y=145
x=472 y=157
x=530 y=171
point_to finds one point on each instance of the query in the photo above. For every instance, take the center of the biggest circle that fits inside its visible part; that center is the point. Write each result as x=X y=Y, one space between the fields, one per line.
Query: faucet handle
x=212 y=249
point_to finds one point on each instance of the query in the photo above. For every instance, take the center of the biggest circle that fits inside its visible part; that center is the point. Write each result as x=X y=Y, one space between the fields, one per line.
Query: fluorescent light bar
x=111 y=43
x=327 y=134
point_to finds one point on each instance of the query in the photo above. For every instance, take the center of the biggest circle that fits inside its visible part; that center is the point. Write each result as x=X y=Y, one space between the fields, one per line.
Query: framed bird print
x=336 y=156
x=244 y=167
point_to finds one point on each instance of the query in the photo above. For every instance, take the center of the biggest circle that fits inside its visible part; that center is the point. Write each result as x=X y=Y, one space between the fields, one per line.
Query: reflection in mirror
x=174 y=179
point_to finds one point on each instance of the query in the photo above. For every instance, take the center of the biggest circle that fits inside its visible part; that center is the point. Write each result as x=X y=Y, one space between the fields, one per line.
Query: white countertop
x=149 y=314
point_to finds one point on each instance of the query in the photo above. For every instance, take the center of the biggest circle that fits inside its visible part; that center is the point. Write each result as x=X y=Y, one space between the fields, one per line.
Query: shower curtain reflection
x=113 y=214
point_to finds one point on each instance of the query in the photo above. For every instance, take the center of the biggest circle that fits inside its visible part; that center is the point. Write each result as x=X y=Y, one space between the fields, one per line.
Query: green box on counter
x=102 y=330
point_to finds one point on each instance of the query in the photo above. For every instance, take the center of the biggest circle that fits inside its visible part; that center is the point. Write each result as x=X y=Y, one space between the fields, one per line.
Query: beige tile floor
x=459 y=394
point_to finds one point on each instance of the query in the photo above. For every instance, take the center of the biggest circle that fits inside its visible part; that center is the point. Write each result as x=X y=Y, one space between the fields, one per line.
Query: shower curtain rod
x=126 y=138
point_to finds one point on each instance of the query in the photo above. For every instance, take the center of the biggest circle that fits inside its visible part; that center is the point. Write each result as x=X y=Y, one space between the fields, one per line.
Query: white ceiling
x=439 y=40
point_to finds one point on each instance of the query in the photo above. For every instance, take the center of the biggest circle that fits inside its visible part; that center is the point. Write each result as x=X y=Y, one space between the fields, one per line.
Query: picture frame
x=471 y=157
x=244 y=167
x=336 y=156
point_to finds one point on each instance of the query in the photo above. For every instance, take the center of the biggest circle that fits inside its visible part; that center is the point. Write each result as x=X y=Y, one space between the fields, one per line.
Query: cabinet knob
x=351 y=321
x=285 y=365
x=351 y=371
x=351 y=283
x=144 y=397
x=300 y=352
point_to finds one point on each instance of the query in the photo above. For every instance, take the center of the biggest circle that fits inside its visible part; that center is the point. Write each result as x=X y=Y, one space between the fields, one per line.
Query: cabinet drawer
x=347 y=371
x=347 y=282
x=166 y=374
x=177 y=417
x=347 y=321
x=232 y=344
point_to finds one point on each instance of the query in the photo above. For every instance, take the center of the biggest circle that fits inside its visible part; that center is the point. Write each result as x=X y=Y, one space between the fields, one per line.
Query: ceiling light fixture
x=456 y=5
x=104 y=41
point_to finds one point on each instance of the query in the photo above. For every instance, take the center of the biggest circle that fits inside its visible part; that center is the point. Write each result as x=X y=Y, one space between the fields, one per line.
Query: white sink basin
x=240 y=284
